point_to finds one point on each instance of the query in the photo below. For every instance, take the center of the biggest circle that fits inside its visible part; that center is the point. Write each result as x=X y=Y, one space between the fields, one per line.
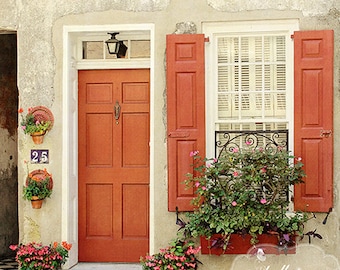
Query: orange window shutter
x=185 y=114
x=313 y=118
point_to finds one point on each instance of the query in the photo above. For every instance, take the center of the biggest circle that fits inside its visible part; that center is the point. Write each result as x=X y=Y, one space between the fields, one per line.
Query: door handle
x=117 y=111
x=325 y=133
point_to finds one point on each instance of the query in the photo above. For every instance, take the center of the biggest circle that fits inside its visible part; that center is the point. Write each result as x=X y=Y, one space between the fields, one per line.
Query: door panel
x=113 y=165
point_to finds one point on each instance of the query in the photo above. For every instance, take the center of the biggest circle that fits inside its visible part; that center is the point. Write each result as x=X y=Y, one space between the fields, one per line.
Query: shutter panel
x=313 y=123
x=185 y=114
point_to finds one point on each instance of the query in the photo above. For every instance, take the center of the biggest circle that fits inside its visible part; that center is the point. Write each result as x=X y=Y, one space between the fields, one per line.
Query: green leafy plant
x=39 y=187
x=31 y=125
x=180 y=255
x=245 y=191
x=35 y=256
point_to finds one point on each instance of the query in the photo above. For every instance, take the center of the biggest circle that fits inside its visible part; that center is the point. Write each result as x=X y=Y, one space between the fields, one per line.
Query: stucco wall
x=39 y=27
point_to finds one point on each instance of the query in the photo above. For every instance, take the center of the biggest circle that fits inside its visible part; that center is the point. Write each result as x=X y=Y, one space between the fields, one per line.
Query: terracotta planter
x=36 y=202
x=38 y=137
x=240 y=244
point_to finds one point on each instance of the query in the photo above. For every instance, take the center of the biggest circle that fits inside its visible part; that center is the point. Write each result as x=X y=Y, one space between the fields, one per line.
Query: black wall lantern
x=116 y=46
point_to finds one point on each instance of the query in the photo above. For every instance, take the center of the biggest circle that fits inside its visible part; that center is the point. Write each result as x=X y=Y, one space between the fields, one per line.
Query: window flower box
x=240 y=244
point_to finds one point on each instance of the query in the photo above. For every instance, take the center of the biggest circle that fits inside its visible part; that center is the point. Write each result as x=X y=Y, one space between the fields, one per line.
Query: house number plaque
x=39 y=156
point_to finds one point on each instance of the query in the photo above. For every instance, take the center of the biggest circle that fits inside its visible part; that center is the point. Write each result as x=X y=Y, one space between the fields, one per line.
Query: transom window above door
x=97 y=49
x=92 y=51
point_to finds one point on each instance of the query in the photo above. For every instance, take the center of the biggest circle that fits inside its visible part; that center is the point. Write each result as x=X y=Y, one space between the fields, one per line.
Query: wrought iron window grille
x=272 y=140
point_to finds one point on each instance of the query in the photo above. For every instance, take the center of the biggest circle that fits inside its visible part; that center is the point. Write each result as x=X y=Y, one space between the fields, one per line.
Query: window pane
x=253 y=70
x=140 y=49
x=93 y=49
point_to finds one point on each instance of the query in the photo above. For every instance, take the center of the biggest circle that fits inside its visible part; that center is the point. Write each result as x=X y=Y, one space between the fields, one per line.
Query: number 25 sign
x=39 y=156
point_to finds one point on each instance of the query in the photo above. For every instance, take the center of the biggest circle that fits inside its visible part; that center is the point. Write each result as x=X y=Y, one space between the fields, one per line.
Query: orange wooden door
x=113 y=165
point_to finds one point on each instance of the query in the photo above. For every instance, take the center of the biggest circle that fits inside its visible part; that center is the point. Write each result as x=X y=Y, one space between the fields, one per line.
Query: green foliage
x=40 y=188
x=38 y=257
x=179 y=255
x=245 y=191
x=30 y=125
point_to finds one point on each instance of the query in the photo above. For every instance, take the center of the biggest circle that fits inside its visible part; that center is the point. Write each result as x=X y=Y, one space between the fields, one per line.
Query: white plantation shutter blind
x=251 y=82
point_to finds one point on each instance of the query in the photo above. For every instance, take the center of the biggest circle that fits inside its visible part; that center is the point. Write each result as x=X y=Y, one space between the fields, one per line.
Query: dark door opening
x=9 y=232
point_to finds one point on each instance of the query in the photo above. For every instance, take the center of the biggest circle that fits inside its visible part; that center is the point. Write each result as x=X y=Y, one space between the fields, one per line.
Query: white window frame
x=212 y=30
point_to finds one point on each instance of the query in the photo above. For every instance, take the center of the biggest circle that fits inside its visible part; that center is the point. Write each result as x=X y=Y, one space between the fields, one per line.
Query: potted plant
x=36 y=256
x=33 y=126
x=243 y=196
x=180 y=255
x=38 y=186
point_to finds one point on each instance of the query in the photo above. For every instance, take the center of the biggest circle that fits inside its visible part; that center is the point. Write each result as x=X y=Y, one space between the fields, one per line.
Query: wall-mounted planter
x=38 y=186
x=240 y=244
x=41 y=114
x=38 y=137
x=37 y=122
x=36 y=202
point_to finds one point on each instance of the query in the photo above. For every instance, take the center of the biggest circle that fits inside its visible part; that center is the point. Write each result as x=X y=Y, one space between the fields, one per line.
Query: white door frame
x=69 y=196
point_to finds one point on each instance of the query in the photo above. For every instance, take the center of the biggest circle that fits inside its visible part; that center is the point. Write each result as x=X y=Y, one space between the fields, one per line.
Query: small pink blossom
x=215 y=160
x=263 y=170
x=248 y=142
x=235 y=150
x=263 y=201
x=194 y=153
x=204 y=188
x=234 y=203
x=197 y=184
x=235 y=173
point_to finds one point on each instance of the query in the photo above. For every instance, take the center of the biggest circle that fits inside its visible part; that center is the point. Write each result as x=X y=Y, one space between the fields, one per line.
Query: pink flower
x=248 y=142
x=194 y=153
x=235 y=173
x=197 y=184
x=204 y=188
x=235 y=150
x=263 y=170
x=234 y=203
x=263 y=201
x=215 y=160
x=13 y=247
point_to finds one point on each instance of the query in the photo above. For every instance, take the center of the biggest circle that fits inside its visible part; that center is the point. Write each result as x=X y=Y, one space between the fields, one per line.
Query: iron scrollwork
x=271 y=140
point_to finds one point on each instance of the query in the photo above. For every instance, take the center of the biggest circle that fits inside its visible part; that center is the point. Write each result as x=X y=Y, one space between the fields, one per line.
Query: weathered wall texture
x=8 y=142
x=39 y=27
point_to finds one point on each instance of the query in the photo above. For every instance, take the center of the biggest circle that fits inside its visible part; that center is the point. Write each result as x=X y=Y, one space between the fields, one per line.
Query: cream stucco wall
x=39 y=26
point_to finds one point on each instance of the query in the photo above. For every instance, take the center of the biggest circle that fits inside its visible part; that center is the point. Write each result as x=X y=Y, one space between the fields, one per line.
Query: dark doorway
x=9 y=232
